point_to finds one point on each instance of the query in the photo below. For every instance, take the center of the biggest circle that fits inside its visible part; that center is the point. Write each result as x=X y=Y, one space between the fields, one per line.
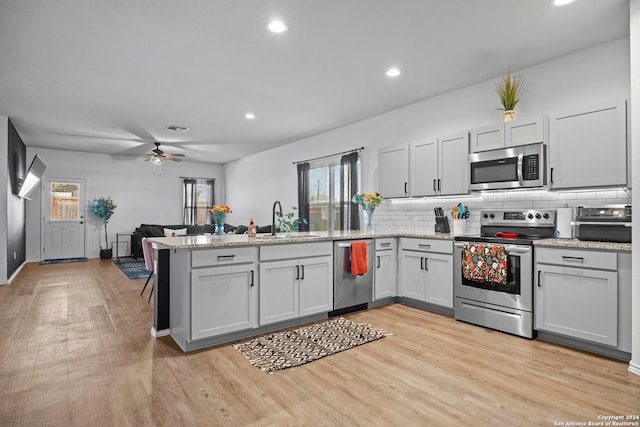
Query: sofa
x=155 y=230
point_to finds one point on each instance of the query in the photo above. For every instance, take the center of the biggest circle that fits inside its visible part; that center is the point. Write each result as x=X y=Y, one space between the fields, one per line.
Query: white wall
x=141 y=195
x=635 y=152
x=588 y=77
x=4 y=192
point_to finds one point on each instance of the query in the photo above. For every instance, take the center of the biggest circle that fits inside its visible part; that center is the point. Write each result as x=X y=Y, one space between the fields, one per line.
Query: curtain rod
x=355 y=150
x=193 y=177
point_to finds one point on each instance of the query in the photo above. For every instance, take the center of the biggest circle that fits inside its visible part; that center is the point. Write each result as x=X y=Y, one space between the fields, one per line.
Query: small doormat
x=62 y=260
x=133 y=269
x=286 y=349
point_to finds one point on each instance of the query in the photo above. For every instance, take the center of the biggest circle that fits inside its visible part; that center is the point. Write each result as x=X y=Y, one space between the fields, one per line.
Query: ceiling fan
x=157 y=156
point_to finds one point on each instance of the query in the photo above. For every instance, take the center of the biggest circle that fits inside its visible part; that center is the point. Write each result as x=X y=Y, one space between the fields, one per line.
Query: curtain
x=303 y=194
x=211 y=198
x=189 y=201
x=349 y=213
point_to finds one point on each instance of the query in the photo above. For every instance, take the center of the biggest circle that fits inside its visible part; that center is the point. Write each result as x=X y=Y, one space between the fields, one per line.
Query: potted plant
x=509 y=89
x=286 y=223
x=103 y=208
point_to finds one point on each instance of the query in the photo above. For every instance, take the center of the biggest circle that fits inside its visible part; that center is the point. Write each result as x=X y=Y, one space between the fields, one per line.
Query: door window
x=63 y=197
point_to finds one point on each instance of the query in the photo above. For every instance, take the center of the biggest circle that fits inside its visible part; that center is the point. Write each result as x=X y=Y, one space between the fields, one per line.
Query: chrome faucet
x=273 y=217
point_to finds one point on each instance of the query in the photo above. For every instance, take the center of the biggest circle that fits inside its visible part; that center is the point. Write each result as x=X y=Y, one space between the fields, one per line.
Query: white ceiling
x=108 y=76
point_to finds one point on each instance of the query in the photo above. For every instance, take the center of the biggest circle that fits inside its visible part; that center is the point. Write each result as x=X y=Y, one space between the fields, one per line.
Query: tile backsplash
x=417 y=214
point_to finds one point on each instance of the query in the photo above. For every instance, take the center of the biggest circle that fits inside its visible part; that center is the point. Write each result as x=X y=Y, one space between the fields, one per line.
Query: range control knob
x=545 y=216
x=485 y=216
x=492 y=216
x=538 y=216
x=530 y=216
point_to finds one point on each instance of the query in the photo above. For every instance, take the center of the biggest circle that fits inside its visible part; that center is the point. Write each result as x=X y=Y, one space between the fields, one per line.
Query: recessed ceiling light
x=249 y=116
x=277 y=27
x=392 y=72
x=561 y=2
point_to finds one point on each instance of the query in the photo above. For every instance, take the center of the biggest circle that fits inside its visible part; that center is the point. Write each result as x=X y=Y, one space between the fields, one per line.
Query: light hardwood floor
x=75 y=349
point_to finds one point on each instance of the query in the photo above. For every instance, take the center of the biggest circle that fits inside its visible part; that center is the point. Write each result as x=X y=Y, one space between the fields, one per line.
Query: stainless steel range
x=503 y=298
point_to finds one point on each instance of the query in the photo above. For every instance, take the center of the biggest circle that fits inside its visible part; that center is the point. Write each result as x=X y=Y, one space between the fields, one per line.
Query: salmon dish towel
x=359 y=265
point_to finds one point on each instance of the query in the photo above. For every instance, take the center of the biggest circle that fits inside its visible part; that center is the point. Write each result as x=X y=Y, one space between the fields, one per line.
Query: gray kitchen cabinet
x=385 y=283
x=223 y=300
x=222 y=294
x=588 y=147
x=577 y=295
x=425 y=271
x=292 y=285
x=440 y=166
x=393 y=171
x=522 y=131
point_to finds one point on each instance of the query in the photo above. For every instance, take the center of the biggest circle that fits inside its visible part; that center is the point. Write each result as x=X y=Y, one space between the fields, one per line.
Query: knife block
x=442 y=224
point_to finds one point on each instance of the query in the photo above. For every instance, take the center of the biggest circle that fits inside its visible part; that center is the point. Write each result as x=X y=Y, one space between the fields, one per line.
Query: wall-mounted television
x=34 y=176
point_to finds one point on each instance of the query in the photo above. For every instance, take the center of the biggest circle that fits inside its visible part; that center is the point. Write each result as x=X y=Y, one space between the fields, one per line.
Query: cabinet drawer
x=296 y=250
x=215 y=257
x=427 y=245
x=386 y=243
x=578 y=258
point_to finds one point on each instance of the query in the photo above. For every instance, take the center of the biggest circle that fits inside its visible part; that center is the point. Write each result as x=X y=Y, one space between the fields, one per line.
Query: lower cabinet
x=296 y=287
x=385 y=284
x=425 y=271
x=578 y=295
x=223 y=299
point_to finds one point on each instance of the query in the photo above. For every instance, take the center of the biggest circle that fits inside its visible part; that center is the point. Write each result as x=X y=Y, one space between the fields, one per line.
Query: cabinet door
x=487 y=138
x=439 y=289
x=424 y=168
x=453 y=164
x=523 y=131
x=589 y=148
x=223 y=299
x=316 y=285
x=411 y=276
x=278 y=291
x=393 y=171
x=386 y=277
x=578 y=302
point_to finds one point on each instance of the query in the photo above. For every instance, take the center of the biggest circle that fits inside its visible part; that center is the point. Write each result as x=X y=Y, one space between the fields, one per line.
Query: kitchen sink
x=289 y=236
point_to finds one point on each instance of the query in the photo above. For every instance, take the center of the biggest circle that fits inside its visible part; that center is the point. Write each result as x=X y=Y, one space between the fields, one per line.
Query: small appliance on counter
x=564 y=224
x=606 y=224
x=442 y=223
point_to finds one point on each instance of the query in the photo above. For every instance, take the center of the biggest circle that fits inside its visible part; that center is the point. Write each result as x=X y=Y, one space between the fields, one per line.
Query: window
x=64 y=201
x=325 y=206
x=197 y=197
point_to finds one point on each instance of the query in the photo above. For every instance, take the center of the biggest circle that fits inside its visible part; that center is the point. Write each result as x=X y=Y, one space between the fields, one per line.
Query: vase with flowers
x=369 y=202
x=219 y=216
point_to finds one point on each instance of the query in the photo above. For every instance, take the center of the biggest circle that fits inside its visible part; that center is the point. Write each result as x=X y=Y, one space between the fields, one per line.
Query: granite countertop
x=198 y=242
x=582 y=244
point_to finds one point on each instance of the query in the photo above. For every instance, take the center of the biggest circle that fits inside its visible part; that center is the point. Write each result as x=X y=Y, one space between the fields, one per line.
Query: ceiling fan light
x=156 y=160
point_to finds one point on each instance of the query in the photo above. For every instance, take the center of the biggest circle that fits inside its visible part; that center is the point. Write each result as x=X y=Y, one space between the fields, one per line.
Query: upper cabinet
x=510 y=134
x=588 y=148
x=440 y=166
x=393 y=171
x=435 y=167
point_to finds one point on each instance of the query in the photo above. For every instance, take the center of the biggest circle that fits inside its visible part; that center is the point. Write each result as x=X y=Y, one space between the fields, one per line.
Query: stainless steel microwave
x=507 y=168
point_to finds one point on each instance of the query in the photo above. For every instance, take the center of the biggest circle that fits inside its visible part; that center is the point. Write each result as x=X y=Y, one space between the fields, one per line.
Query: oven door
x=518 y=291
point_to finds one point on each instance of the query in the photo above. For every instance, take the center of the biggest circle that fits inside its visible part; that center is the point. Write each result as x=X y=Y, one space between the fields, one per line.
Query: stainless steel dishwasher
x=351 y=292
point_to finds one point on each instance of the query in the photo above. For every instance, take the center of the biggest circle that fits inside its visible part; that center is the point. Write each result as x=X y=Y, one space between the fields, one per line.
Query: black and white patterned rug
x=296 y=347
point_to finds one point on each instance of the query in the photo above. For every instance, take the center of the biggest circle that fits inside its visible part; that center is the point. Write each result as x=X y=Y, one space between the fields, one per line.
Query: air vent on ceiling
x=176 y=128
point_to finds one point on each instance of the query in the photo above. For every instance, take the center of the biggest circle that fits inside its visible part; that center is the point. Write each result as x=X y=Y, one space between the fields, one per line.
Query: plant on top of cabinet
x=509 y=89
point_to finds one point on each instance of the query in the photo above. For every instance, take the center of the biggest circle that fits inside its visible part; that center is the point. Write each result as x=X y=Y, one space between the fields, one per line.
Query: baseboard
x=635 y=368
x=160 y=333
x=13 y=276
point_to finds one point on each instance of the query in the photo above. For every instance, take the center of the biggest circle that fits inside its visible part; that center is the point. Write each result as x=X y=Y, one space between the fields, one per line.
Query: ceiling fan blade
x=174 y=157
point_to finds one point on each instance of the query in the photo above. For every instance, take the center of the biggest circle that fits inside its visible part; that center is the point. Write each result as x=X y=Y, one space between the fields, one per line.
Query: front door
x=63 y=218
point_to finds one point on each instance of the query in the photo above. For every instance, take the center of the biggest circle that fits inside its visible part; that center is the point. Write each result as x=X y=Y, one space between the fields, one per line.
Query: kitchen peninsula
x=208 y=287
